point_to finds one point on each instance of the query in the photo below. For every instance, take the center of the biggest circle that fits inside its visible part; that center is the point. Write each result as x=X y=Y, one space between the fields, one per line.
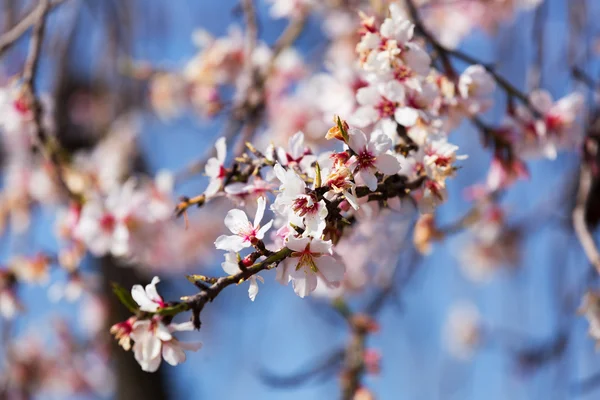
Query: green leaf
x=124 y=297
x=342 y=130
x=318 y=176
x=173 y=310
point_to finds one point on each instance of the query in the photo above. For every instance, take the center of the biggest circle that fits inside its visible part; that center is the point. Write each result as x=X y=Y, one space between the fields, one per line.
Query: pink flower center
x=358 y=84
x=554 y=122
x=365 y=159
x=222 y=172
x=305 y=259
x=108 y=222
x=434 y=188
x=386 y=108
x=402 y=72
x=305 y=205
x=21 y=105
x=413 y=102
x=249 y=234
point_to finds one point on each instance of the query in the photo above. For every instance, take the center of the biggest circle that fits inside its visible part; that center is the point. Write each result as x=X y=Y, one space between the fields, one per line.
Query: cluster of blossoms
x=451 y=20
x=70 y=369
x=330 y=214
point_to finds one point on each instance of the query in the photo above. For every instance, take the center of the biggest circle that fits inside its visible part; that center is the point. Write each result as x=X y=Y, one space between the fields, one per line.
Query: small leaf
x=173 y=310
x=318 y=176
x=124 y=297
x=342 y=129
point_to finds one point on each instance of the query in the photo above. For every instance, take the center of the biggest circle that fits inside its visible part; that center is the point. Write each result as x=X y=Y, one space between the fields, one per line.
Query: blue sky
x=284 y=333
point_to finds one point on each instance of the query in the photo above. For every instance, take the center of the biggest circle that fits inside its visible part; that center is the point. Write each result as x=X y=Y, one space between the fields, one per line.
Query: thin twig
x=445 y=53
x=12 y=35
x=47 y=144
x=579 y=223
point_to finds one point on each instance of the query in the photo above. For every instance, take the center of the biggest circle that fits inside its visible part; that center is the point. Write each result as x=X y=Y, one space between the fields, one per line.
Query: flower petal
x=304 y=283
x=253 y=289
x=139 y=295
x=332 y=270
x=388 y=164
x=221 y=146
x=231 y=243
x=367 y=178
x=173 y=353
x=297 y=244
x=263 y=229
x=406 y=116
x=236 y=221
x=260 y=211
x=152 y=292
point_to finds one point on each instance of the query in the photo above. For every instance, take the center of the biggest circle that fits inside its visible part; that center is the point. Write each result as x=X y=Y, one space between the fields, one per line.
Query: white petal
x=357 y=139
x=172 y=353
x=406 y=116
x=261 y=232
x=351 y=199
x=184 y=326
x=230 y=265
x=231 y=243
x=151 y=290
x=367 y=178
x=296 y=144
x=253 y=289
x=162 y=332
x=388 y=164
x=221 y=146
x=151 y=346
x=150 y=365
x=332 y=269
x=368 y=95
x=321 y=246
x=297 y=244
x=236 y=221
x=260 y=211
x=139 y=295
x=213 y=187
x=212 y=168
x=541 y=100
x=304 y=284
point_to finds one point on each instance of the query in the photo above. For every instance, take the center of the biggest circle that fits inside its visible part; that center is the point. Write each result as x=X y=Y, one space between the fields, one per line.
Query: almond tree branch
x=447 y=53
x=13 y=34
x=579 y=223
x=196 y=302
x=249 y=109
x=47 y=144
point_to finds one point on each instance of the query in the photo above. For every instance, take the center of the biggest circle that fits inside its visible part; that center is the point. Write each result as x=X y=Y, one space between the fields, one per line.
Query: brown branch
x=196 y=302
x=446 y=53
x=354 y=365
x=251 y=26
x=47 y=144
x=251 y=106
x=12 y=35
x=579 y=223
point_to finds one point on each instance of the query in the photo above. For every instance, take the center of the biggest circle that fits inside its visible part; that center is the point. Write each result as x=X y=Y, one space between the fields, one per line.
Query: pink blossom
x=371 y=157
x=311 y=258
x=245 y=234
x=215 y=168
x=154 y=341
x=148 y=299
